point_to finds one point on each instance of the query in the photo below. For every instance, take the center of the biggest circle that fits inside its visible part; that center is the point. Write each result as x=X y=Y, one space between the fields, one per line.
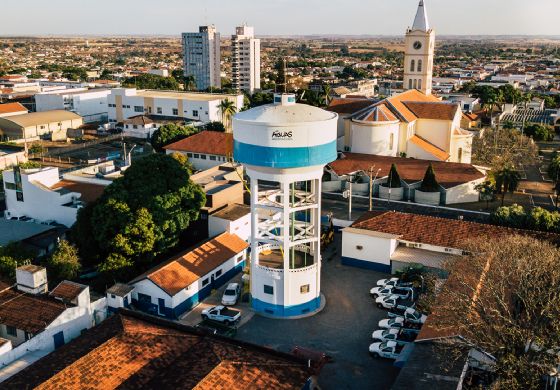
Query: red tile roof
x=377 y=113
x=433 y=110
x=413 y=95
x=430 y=148
x=442 y=232
x=209 y=142
x=8 y=108
x=349 y=105
x=31 y=313
x=186 y=268
x=410 y=170
x=133 y=350
x=90 y=192
x=67 y=290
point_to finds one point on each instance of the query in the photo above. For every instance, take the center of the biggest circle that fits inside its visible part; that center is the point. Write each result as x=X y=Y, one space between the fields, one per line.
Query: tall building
x=246 y=62
x=419 y=53
x=201 y=57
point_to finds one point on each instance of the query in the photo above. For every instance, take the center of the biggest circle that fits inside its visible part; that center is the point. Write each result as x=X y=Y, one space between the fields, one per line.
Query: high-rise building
x=246 y=59
x=419 y=53
x=201 y=57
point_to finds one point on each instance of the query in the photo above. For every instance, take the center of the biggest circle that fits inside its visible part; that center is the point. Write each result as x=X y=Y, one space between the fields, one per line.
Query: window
x=410 y=84
x=203 y=157
x=419 y=83
x=159 y=110
x=239 y=259
x=460 y=155
x=359 y=247
x=113 y=296
x=134 y=126
x=218 y=273
x=144 y=298
x=415 y=84
x=391 y=140
x=138 y=109
x=175 y=111
x=205 y=282
x=189 y=155
x=12 y=331
x=195 y=113
x=412 y=66
x=196 y=155
x=212 y=158
x=268 y=289
x=42 y=127
x=9 y=186
x=419 y=65
x=304 y=289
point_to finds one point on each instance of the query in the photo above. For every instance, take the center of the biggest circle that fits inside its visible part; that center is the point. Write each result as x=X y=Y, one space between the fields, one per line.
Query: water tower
x=285 y=147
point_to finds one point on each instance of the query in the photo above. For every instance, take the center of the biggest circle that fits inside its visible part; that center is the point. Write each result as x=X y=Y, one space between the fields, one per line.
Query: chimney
x=31 y=279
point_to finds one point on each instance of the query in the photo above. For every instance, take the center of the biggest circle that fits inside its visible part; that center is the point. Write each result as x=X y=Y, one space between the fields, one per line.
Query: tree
x=539 y=132
x=504 y=299
x=507 y=180
x=394 y=180
x=486 y=191
x=141 y=214
x=12 y=256
x=151 y=81
x=327 y=90
x=170 y=133
x=64 y=263
x=227 y=109
x=429 y=183
x=513 y=216
x=499 y=148
x=554 y=168
x=215 y=126
x=190 y=83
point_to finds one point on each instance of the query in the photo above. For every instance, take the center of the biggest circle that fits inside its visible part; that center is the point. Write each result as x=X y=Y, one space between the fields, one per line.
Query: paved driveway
x=343 y=329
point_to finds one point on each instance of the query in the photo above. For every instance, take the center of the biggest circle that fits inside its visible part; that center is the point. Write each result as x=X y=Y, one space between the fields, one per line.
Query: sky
x=277 y=17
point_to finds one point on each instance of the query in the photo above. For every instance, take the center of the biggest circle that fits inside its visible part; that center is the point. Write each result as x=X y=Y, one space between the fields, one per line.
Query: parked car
x=393 y=301
x=380 y=291
x=387 y=349
x=399 y=323
x=410 y=315
x=221 y=314
x=401 y=292
x=400 y=336
x=231 y=294
x=393 y=282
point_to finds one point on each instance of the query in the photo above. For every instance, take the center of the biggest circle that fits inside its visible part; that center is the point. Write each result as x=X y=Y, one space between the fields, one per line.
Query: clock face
x=417 y=45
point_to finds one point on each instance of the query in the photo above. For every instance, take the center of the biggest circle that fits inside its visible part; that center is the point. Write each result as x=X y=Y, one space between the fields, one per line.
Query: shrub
x=394 y=180
x=429 y=183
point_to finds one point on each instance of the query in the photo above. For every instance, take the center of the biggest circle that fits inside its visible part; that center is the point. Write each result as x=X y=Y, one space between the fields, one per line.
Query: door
x=126 y=301
x=161 y=305
x=58 y=339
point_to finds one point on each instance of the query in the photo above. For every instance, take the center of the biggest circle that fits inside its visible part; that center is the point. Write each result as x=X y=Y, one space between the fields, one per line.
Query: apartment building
x=90 y=104
x=246 y=60
x=201 y=57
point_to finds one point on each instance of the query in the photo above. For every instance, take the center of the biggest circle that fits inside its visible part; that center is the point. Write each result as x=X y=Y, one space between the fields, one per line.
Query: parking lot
x=342 y=329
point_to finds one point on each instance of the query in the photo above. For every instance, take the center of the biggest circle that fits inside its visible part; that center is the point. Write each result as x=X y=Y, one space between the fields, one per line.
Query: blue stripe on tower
x=272 y=157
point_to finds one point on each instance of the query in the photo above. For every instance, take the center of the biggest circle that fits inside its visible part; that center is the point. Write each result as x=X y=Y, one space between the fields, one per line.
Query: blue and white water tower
x=285 y=147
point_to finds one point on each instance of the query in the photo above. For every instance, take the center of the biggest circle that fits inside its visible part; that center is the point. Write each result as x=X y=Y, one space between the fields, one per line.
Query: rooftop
x=233 y=212
x=89 y=191
x=349 y=105
x=7 y=108
x=184 y=269
x=410 y=170
x=67 y=290
x=184 y=95
x=120 y=289
x=39 y=118
x=209 y=142
x=134 y=350
x=430 y=148
x=14 y=231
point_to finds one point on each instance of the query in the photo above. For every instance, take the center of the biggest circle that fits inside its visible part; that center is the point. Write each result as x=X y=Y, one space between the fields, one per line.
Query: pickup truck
x=387 y=349
x=400 y=336
x=393 y=301
x=401 y=292
x=221 y=314
x=399 y=323
x=393 y=282
x=410 y=315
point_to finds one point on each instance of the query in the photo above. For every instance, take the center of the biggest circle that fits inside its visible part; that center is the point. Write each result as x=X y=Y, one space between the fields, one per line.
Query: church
x=413 y=123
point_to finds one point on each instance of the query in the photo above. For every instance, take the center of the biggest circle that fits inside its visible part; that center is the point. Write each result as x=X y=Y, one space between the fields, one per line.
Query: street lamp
x=371 y=180
x=348 y=194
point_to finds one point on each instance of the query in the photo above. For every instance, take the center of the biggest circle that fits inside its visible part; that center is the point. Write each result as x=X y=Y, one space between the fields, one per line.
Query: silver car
x=231 y=294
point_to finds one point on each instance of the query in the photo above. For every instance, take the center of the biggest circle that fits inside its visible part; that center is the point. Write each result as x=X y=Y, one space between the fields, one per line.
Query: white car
x=391 y=323
x=380 y=291
x=400 y=336
x=385 y=334
x=231 y=294
x=387 y=349
x=385 y=282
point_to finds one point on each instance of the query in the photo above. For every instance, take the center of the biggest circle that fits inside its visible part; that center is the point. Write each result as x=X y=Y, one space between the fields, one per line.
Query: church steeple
x=421 y=20
x=419 y=53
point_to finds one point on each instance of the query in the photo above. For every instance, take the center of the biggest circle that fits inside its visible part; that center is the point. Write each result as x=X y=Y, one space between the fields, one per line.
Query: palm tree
x=327 y=94
x=189 y=83
x=227 y=109
x=507 y=180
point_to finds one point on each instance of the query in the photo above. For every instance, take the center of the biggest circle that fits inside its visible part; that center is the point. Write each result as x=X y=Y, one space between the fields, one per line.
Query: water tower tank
x=285 y=147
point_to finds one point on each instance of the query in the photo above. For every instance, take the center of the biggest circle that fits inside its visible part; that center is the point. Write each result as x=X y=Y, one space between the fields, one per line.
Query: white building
x=90 y=104
x=139 y=126
x=124 y=103
x=284 y=147
x=233 y=219
x=205 y=150
x=387 y=241
x=34 y=323
x=40 y=194
x=201 y=57
x=246 y=60
x=180 y=283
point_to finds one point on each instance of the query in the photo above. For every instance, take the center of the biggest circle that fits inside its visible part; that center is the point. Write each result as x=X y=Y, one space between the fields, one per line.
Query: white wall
x=370 y=139
x=199 y=163
x=261 y=276
x=435 y=132
x=374 y=249
x=463 y=193
x=241 y=226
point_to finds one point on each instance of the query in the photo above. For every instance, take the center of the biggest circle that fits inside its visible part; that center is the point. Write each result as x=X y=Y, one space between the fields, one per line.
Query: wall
x=374 y=139
x=199 y=163
x=241 y=226
x=435 y=131
x=16 y=340
x=375 y=253
x=463 y=193
x=10 y=159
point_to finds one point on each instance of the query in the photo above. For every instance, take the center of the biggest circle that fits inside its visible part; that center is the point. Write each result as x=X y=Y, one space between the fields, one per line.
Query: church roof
x=421 y=20
x=430 y=148
x=429 y=110
x=376 y=113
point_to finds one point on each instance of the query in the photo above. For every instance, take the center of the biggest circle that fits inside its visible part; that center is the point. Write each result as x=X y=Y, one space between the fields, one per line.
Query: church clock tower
x=419 y=53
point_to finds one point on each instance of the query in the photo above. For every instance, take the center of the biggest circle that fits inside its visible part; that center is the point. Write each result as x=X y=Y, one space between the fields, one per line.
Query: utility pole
x=350 y=201
x=371 y=180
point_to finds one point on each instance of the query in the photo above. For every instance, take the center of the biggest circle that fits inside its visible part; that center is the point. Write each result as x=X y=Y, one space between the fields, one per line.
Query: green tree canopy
x=539 y=132
x=141 y=214
x=394 y=179
x=170 y=133
x=429 y=183
x=11 y=256
x=507 y=180
x=64 y=263
x=151 y=81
